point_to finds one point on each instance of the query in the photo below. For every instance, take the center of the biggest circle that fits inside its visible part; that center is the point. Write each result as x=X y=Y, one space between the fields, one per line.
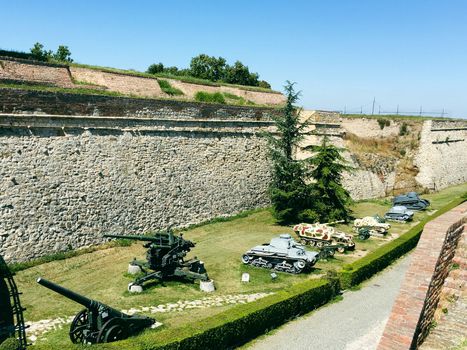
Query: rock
x=133 y=269
x=133 y=288
x=207 y=286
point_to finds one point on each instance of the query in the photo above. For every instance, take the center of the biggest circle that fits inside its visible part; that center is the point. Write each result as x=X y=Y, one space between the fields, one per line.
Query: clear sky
x=341 y=54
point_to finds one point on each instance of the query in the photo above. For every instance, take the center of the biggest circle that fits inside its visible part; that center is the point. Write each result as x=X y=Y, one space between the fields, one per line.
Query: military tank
x=370 y=225
x=411 y=201
x=281 y=254
x=321 y=235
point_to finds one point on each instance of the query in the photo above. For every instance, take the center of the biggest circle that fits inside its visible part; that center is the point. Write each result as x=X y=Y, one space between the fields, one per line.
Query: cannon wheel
x=79 y=324
x=113 y=330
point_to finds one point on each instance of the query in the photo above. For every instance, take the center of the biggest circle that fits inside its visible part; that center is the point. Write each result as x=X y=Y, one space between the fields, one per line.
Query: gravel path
x=357 y=322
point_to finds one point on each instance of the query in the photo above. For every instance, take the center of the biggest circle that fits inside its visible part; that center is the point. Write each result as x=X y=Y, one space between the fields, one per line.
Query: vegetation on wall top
x=213 y=69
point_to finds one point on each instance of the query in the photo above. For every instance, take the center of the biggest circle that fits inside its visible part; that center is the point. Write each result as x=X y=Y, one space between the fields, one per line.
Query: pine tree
x=308 y=190
x=331 y=199
x=289 y=191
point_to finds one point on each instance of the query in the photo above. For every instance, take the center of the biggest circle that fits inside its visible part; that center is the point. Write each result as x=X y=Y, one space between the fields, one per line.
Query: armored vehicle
x=321 y=235
x=12 y=328
x=99 y=323
x=281 y=254
x=399 y=213
x=165 y=257
x=411 y=201
x=370 y=225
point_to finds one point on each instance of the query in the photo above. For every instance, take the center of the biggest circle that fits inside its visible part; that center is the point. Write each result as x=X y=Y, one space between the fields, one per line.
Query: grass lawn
x=101 y=274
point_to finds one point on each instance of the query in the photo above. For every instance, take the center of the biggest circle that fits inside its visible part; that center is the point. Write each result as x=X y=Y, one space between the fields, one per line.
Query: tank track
x=294 y=267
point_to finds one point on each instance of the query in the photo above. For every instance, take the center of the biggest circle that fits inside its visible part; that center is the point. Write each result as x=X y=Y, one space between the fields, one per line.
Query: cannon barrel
x=163 y=240
x=88 y=303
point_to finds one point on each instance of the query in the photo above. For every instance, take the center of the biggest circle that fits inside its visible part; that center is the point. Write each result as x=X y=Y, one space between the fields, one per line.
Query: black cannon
x=165 y=257
x=99 y=323
x=12 y=328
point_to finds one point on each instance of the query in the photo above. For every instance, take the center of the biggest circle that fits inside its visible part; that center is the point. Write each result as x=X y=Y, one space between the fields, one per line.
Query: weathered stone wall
x=35 y=72
x=19 y=101
x=432 y=155
x=65 y=181
x=413 y=310
x=442 y=156
x=63 y=76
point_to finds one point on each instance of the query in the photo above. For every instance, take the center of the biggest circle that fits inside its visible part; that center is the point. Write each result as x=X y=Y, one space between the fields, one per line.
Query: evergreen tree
x=331 y=198
x=308 y=190
x=289 y=191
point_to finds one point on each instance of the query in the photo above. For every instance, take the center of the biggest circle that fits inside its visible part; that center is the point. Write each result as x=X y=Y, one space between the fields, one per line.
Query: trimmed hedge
x=362 y=269
x=240 y=324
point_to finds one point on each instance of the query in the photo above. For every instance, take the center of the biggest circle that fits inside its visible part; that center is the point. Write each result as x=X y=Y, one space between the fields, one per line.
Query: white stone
x=133 y=269
x=207 y=286
x=245 y=277
x=132 y=288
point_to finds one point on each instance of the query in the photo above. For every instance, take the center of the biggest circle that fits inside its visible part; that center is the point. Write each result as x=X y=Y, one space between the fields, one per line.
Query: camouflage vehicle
x=281 y=254
x=321 y=235
x=411 y=201
x=399 y=213
x=370 y=225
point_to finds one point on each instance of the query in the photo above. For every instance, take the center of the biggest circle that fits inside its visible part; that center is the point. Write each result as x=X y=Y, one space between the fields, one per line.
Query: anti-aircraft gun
x=165 y=257
x=99 y=323
x=12 y=328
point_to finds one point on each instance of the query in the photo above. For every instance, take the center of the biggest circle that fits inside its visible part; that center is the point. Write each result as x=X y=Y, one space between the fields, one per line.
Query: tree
x=155 y=68
x=38 y=52
x=289 y=190
x=307 y=190
x=63 y=54
x=240 y=74
x=207 y=67
x=333 y=199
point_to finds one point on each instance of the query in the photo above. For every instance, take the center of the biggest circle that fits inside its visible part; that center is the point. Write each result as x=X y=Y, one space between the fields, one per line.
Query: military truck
x=411 y=200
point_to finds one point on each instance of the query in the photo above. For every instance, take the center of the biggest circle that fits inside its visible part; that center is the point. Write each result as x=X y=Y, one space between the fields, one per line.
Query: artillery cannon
x=99 y=323
x=165 y=257
x=11 y=312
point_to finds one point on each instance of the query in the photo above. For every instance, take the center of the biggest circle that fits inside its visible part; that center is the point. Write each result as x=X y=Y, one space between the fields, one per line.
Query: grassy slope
x=100 y=274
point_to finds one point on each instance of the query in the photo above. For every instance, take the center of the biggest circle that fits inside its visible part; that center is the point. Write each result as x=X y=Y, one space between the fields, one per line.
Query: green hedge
x=362 y=269
x=215 y=97
x=241 y=323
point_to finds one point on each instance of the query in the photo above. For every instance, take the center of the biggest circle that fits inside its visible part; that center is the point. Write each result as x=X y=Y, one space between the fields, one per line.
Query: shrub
x=169 y=89
x=403 y=130
x=9 y=344
x=383 y=122
x=216 y=97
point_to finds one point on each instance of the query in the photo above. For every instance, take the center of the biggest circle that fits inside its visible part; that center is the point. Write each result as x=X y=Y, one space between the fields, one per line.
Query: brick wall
x=413 y=311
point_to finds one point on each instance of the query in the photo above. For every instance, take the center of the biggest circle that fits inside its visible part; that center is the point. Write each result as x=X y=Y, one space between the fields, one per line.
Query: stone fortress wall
x=78 y=77
x=73 y=167
x=66 y=180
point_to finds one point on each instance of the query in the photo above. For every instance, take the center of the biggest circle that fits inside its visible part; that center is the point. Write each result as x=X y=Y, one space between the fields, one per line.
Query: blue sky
x=341 y=54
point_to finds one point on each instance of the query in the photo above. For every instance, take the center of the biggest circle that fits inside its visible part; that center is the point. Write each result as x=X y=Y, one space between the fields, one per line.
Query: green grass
x=169 y=89
x=216 y=97
x=102 y=274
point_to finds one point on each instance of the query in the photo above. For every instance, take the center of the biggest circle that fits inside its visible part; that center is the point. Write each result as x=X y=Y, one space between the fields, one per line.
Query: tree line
x=214 y=69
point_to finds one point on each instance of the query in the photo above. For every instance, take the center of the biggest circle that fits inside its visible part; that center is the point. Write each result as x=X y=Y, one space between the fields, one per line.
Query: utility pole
x=373 y=108
x=442 y=113
x=345 y=109
x=397 y=113
x=379 y=109
x=420 y=111
x=361 y=110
